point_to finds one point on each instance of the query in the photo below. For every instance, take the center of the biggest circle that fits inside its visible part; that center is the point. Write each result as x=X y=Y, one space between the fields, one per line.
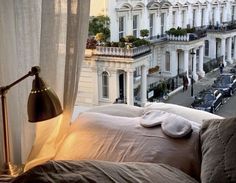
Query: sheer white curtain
x=52 y=34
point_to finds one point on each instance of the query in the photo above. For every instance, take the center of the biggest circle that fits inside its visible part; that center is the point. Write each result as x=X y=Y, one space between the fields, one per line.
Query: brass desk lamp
x=43 y=104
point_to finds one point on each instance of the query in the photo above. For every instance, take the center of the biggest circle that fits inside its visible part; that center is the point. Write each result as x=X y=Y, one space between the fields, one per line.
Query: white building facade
x=114 y=73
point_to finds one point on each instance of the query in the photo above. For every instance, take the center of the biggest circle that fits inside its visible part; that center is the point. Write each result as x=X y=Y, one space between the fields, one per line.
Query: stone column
x=113 y=88
x=178 y=18
x=234 y=48
x=200 y=66
x=186 y=61
x=95 y=86
x=229 y=50
x=212 y=48
x=223 y=49
x=198 y=17
x=169 y=19
x=130 y=87
x=194 y=66
x=173 y=63
x=144 y=84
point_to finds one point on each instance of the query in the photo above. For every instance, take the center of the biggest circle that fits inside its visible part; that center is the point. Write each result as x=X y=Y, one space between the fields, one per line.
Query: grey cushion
x=103 y=172
x=218 y=138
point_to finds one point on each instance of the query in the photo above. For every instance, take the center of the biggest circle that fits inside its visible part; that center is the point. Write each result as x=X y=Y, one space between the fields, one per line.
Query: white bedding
x=100 y=136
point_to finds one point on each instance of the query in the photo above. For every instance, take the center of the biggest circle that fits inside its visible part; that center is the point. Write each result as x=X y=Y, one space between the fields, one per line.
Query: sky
x=97 y=7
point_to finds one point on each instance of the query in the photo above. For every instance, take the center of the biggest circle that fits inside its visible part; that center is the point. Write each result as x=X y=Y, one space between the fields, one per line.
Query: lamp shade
x=43 y=103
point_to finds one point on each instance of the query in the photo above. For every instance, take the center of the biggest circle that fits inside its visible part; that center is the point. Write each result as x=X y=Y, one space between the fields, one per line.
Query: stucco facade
x=127 y=76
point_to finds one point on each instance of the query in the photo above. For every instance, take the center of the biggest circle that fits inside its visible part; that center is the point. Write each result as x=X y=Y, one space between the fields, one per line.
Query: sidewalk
x=184 y=98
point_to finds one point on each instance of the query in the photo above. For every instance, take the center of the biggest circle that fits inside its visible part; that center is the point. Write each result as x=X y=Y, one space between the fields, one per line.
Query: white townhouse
x=109 y=73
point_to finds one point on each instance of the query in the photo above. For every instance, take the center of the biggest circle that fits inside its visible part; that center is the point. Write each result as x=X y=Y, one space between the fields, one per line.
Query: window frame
x=105 y=85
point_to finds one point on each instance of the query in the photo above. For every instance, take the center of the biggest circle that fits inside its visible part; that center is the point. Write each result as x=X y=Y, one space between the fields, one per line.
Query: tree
x=99 y=24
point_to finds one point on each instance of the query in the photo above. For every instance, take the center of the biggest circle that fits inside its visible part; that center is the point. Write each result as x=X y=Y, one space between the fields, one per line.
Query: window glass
x=105 y=85
x=135 y=25
x=167 y=61
x=151 y=19
x=121 y=26
x=206 y=48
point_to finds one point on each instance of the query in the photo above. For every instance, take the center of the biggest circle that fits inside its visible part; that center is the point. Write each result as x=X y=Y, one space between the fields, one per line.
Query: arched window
x=206 y=48
x=105 y=85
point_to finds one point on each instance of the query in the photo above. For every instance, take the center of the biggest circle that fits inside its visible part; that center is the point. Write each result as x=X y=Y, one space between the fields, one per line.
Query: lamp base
x=12 y=170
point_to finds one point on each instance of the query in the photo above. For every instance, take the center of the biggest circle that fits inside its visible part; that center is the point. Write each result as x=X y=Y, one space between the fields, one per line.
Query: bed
x=121 y=143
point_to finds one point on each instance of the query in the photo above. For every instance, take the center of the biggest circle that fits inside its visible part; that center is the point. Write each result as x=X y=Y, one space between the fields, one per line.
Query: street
x=228 y=109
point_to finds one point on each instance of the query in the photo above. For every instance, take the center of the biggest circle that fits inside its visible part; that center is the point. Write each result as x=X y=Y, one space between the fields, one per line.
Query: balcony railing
x=224 y=27
x=178 y=38
x=121 y=52
x=187 y=37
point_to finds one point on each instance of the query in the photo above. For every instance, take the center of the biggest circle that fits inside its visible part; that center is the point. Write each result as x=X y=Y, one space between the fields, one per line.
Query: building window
x=233 y=12
x=167 y=63
x=121 y=27
x=221 y=14
x=162 y=23
x=183 y=17
x=105 y=85
x=206 y=48
x=194 y=17
x=202 y=17
x=213 y=16
x=135 y=26
x=173 y=18
x=151 y=22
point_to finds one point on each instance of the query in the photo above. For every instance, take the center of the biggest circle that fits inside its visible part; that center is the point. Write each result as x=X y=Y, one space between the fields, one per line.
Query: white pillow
x=188 y=113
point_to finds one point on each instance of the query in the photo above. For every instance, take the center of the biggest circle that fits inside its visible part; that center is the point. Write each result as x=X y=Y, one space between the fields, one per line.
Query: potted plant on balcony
x=144 y=33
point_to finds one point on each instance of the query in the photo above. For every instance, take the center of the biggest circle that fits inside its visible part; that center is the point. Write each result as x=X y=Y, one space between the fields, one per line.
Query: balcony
x=187 y=37
x=121 y=52
x=222 y=28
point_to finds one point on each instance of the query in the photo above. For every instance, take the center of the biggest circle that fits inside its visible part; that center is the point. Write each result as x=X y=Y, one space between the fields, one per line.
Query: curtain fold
x=52 y=34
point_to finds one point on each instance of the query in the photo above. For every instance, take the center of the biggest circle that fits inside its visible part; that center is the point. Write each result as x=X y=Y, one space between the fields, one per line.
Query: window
x=194 y=17
x=202 y=17
x=221 y=14
x=206 y=48
x=167 y=65
x=151 y=22
x=182 y=18
x=162 y=23
x=135 y=26
x=233 y=12
x=105 y=85
x=121 y=27
x=173 y=18
x=213 y=16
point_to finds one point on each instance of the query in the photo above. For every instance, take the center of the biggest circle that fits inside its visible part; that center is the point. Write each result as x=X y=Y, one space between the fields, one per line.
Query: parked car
x=226 y=84
x=208 y=100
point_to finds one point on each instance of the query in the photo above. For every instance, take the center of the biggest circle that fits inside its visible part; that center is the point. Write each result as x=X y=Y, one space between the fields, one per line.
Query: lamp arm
x=34 y=71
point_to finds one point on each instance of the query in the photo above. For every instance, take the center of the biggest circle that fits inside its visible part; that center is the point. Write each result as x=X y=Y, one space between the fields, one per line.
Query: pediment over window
x=165 y=4
x=223 y=2
x=139 y=6
x=177 y=5
x=198 y=3
x=216 y=2
x=205 y=3
x=124 y=7
x=153 y=5
x=186 y=3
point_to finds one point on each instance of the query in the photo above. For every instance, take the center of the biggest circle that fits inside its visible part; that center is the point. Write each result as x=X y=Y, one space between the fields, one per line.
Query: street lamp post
x=177 y=80
x=192 y=53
